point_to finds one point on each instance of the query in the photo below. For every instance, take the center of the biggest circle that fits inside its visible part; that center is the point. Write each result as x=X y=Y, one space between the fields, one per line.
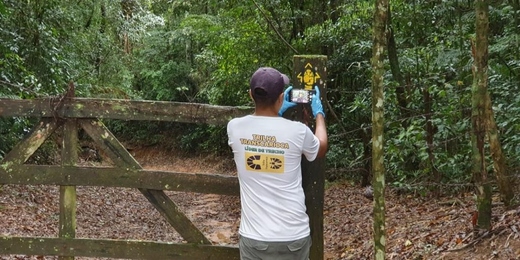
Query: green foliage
x=238 y=52
x=435 y=57
x=32 y=47
x=205 y=139
x=347 y=40
x=11 y=131
x=206 y=51
x=165 y=78
x=140 y=133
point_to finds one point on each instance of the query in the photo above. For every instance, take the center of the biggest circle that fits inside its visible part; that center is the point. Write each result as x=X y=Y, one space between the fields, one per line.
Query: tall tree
x=478 y=116
x=482 y=102
x=378 y=49
x=396 y=70
x=500 y=166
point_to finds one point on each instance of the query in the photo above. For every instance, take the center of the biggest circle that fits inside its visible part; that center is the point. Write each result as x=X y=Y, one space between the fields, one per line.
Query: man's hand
x=286 y=101
x=316 y=106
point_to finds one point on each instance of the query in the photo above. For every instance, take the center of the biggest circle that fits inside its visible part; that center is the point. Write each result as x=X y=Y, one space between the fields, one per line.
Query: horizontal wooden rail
x=118 y=177
x=127 y=249
x=121 y=109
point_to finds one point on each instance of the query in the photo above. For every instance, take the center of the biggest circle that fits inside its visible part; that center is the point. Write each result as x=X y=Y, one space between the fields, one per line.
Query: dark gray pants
x=251 y=249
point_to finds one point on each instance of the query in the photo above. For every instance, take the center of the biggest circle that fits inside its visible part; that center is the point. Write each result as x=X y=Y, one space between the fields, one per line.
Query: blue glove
x=286 y=102
x=316 y=106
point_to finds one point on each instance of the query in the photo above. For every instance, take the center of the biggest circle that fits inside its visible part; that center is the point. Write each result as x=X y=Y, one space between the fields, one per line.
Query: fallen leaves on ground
x=417 y=227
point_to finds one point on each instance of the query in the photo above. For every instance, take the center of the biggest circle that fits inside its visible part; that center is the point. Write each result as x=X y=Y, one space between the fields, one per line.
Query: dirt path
x=417 y=228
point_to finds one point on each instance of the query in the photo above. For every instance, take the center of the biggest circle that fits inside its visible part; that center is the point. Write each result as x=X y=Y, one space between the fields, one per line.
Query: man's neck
x=266 y=112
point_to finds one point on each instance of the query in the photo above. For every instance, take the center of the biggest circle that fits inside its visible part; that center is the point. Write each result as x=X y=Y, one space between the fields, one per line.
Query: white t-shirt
x=267 y=153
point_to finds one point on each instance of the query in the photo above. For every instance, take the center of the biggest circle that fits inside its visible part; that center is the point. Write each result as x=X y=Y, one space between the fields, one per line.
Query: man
x=267 y=150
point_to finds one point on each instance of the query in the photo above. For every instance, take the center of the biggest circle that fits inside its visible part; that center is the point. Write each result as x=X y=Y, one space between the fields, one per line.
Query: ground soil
x=418 y=227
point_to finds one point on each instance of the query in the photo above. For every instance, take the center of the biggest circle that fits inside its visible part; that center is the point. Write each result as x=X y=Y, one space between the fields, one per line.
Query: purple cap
x=267 y=83
x=286 y=80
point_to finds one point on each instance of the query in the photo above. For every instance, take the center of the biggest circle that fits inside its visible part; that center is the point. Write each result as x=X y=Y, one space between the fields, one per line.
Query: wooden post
x=310 y=71
x=69 y=157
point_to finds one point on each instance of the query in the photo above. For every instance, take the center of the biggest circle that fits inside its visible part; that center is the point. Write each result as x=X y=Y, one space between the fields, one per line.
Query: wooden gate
x=70 y=113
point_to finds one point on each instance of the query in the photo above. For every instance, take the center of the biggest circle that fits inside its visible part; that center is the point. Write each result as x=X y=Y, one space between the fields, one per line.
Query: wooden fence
x=70 y=113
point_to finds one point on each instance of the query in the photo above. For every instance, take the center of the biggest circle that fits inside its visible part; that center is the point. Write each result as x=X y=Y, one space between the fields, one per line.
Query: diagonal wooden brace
x=31 y=142
x=122 y=158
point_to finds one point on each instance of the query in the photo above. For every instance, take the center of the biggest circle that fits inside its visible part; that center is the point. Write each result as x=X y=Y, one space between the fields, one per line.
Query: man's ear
x=280 y=98
x=251 y=95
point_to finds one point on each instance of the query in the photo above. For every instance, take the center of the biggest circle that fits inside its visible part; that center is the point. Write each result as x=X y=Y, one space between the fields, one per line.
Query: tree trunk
x=478 y=117
x=499 y=160
x=516 y=7
x=430 y=132
x=504 y=179
x=367 y=158
x=298 y=25
x=393 y=60
x=378 y=49
x=102 y=27
x=127 y=8
x=400 y=93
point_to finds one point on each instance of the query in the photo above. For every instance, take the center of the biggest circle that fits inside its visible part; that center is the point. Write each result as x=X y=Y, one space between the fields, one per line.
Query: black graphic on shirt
x=264 y=162
x=275 y=163
x=251 y=162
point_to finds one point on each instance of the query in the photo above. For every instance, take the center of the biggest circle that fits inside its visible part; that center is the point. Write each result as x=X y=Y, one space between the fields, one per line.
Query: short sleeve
x=311 y=145
x=229 y=132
